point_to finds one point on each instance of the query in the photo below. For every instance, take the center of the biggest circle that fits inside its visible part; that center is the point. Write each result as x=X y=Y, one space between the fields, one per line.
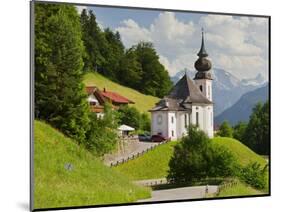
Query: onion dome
x=202 y=64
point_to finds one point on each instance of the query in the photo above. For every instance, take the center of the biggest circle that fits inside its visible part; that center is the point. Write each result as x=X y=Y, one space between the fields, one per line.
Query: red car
x=158 y=138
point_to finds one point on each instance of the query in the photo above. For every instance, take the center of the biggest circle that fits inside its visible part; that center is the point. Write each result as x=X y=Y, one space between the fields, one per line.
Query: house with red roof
x=98 y=98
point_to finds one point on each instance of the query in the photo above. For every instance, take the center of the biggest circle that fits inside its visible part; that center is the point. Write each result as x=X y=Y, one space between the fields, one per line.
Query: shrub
x=225 y=130
x=102 y=136
x=145 y=123
x=132 y=117
x=196 y=158
x=239 y=131
x=255 y=175
x=129 y=116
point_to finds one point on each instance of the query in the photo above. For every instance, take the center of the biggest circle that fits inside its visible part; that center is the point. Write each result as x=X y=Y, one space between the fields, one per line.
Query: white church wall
x=197 y=109
x=172 y=125
x=181 y=125
x=206 y=87
x=210 y=121
x=205 y=118
x=157 y=125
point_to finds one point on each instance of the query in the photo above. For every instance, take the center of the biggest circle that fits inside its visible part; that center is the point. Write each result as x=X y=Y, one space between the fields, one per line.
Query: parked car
x=144 y=137
x=158 y=138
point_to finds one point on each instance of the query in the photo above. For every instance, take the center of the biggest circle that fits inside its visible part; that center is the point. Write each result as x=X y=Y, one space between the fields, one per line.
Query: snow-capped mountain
x=227 y=89
x=258 y=80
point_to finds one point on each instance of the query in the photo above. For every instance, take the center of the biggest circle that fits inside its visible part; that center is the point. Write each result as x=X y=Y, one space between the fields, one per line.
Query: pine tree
x=239 y=130
x=155 y=79
x=59 y=93
x=96 y=47
x=114 y=53
x=257 y=133
x=130 y=72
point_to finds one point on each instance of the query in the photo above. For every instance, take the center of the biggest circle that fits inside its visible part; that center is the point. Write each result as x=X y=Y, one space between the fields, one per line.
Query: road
x=194 y=192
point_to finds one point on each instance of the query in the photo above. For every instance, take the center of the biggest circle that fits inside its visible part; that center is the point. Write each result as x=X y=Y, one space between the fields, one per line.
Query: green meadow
x=142 y=102
x=68 y=175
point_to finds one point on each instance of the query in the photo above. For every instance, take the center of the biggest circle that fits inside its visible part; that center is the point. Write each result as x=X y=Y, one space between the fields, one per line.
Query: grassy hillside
x=238 y=189
x=86 y=182
x=142 y=102
x=243 y=154
x=151 y=165
x=155 y=164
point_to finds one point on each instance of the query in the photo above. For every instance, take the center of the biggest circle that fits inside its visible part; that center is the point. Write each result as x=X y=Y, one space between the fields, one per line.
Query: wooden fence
x=227 y=184
x=136 y=155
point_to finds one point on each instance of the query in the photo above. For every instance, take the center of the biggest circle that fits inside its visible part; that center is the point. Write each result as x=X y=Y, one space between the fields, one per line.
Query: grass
x=237 y=189
x=87 y=182
x=243 y=154
x=153 y=164
x=142 y=102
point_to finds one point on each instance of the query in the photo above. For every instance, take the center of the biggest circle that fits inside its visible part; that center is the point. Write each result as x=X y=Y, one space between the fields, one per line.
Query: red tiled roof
x=91 y=89
x=116 y=98
x=112 y=96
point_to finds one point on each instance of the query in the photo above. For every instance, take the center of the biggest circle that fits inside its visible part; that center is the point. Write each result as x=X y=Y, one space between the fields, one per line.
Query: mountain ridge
x=242 y=109
x=227 y=88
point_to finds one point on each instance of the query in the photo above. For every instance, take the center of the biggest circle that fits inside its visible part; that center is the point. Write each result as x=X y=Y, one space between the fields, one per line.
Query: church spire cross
x=202 y=52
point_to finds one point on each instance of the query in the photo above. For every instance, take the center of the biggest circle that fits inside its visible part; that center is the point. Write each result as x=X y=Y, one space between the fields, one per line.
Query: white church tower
x=203 y=78
x=188 y=102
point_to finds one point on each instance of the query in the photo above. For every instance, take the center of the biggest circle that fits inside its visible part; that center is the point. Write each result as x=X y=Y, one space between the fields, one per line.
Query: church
x=189 y=102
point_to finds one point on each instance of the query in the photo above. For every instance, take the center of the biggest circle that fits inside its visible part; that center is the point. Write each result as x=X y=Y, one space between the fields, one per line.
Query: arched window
x=201 y=88
x=172 y=119
x=159 y=119
x=197 y=119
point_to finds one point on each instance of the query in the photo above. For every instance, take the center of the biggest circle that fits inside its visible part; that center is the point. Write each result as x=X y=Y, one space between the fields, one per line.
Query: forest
x=67 y=46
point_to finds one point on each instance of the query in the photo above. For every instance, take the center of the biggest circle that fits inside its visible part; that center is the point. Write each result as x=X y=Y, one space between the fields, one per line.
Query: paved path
x=194 y=192
x=129 y=148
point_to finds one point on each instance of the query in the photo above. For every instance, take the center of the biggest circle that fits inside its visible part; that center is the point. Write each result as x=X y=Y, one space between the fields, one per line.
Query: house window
x=211 y=119
x=93 y=103
x=172 y=133
x=189 y=119
x=209 y=88
x=159 y=119
x=185 y=120
x=172 y=119
x=201 y=88
x=197 y=119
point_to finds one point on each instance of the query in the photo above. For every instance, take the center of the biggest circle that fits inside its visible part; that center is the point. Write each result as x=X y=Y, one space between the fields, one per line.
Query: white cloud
x=132 y=33
x=237 y=44
x=80 y=8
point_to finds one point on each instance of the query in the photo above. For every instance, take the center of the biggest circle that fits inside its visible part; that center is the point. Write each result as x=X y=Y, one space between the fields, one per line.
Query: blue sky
x=236 y=44
x=143 y=17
